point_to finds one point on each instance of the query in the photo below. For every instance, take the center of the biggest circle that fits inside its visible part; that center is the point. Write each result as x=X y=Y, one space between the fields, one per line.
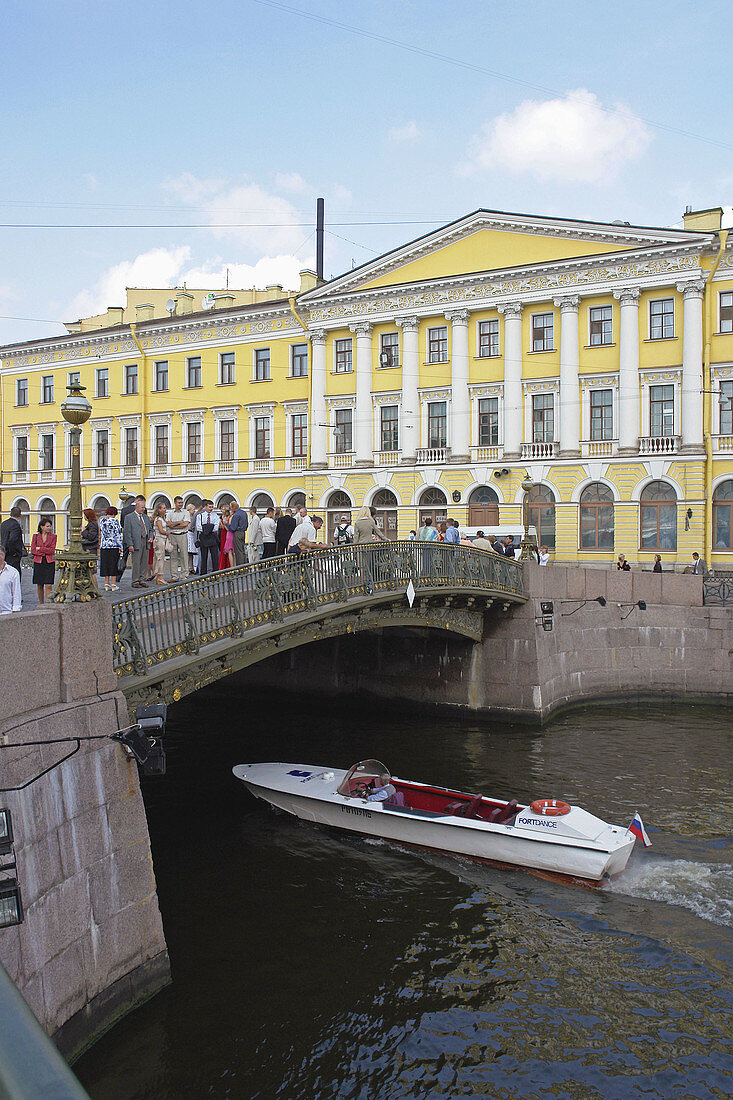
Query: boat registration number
x=355 y=811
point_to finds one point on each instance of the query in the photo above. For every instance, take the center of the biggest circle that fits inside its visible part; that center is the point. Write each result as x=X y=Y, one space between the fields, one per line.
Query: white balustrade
x=261 y=465
x=340 y=461
x=298 y=463
x=659 y=444
x=598 y=448
x=722 y=444
x=539 y=450
x=195 y=468
x=430 y=456
x=387 y=458
x=486 y=454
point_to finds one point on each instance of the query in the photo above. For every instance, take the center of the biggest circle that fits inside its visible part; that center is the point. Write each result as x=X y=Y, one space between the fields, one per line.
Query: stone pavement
x=30 y=595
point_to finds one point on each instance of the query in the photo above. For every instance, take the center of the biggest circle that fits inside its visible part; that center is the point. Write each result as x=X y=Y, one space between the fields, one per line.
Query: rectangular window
x=543 y=332
x=488 y=422
x=601 y=325
x=343 y=430
x=101 y=385
x=193 y=441
x=661 y=319
x=73 y=378
x=726 y=408
x=389 y=351
x=226 y=368
x=343 y=356
x=601 y=414
x=46 y=389
x=300 y=435
x=389 y=428
x=131 y=378
x=130 y=446
x=161 y=374
x=438 y=344
x=102 y=455
x=226 y=440
x=193 y=372
x=21 y=391
x=543 y=418
x=262 y=437
x=437 y=424
x=262 y=364
x=298 y=360
x=661 y=410
x=21 y=454
x=161 y=444
x=488 y=338
x=726 y=311
x=46 y=455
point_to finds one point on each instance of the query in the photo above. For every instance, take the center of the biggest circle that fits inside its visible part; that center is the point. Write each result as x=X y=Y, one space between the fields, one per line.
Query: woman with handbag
x=160 y=539
x=110 y=548
x=90 y=533
x=43 y=552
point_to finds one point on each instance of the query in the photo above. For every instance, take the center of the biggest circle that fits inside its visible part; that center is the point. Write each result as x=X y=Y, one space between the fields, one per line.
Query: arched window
x=296 y=500
x=596 y=517
x=227 y=498
x=24 y=520
x=385 y=502
x=541 y=514
x=158 y=499
x=433 y=503
x=338 y=504
x=723 y=516
x=193 y=498
x=339 y=499
x=483 y=507
x=658 y=516
x=100 y=505
x=47 y=507
x=262 y=501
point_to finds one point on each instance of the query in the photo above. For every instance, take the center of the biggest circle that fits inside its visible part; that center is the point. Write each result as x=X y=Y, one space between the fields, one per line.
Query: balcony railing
x=340 y=461
x=539 y=450
x=723 y=444
x=598 y=448
x=100 y=473
x=298 y=463
x=659 y=444
x=387 y=458
x=431 y=456
x=487 y=454
x=261 y=465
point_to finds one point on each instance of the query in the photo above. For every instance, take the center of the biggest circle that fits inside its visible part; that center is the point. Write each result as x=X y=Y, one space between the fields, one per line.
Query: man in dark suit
x=137 y=537
x=129 y=502
x=11 y=537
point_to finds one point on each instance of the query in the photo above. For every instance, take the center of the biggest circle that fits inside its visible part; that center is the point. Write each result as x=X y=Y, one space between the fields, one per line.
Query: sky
x=152 y=143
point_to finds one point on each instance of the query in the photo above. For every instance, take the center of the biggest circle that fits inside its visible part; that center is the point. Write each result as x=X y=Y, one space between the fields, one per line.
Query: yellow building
x=597 y=358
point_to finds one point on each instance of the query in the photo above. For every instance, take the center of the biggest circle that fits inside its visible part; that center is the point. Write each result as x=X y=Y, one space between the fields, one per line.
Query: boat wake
x=704 y=888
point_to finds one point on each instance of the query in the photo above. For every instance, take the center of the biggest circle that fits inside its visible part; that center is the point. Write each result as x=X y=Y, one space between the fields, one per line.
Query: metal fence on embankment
x=182 y=618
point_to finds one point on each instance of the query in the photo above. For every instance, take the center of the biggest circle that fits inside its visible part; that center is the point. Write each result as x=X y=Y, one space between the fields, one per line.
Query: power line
x=471 y=67
x=210 y=225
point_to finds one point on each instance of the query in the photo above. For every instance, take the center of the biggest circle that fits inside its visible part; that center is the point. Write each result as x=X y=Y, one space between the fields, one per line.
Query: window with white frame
x=661 y=318
x=343 y=430
x=101 y=388
x=298 y=360
x=488 y=421
x=601 y=414
x=438 y=344
x=162 y=441
x=437 y=424
x=46 y=389
x=262 y=436
x=193 y=372
x=543 y=417
x=226 y=368
x=21 y=392
x=661 y=410
x=262 y=364
x=726 y=408
x=726 y=311
x=21 y=454
x=389 y=349
x=161 y=375
x=488 y=339
x=73 y=378
x=343 y=353
x=47 y=448
x=130 y=446
x=389 y=427
x=299 y=435
x=543 y=332
x=102 y=448
x=600 y=323
x=130 y=378
x=193 y=441
x=226 y=440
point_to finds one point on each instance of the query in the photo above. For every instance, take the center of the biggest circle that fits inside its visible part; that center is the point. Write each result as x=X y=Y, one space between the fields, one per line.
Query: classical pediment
x=488 y=241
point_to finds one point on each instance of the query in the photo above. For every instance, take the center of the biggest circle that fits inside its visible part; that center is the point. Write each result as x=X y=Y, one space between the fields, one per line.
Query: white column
x=628 y=371
x=318 y=426
x=569 y=411
x=410 y=426
x=513 y=411
x=460 y=427
x=363 y=414
x=692 y=378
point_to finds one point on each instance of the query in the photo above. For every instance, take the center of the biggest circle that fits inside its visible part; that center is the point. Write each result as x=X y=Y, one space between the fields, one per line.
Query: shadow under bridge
x=177 y=639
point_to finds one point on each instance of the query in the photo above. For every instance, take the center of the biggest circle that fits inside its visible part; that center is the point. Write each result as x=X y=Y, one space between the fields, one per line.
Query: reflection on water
x=311 y=963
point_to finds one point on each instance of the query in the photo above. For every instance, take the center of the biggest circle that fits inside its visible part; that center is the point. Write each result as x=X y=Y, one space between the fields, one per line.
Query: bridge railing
x=181 y=619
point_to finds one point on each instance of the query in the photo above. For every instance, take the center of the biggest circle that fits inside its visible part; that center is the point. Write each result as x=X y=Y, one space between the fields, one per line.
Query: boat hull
x=497 y=844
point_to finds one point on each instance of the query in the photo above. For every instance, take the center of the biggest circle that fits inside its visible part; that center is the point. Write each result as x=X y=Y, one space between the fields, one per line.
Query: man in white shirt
x=254 y=541
x=11 y=598
x=267 y=529
x=306 y=531
x=178 y=522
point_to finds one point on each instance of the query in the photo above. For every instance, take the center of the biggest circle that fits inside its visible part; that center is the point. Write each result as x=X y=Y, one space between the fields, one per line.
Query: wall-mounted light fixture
x=501 y=473
x=641 y=604
x=600 y=600
x=137 y=742
x=11 y=903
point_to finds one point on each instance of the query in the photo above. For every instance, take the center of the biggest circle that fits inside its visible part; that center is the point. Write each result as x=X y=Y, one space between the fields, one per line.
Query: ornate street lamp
x=76 y=581
x=527 y=548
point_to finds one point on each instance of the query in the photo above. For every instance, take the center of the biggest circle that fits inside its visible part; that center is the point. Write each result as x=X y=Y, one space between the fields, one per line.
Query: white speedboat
x=548 y=836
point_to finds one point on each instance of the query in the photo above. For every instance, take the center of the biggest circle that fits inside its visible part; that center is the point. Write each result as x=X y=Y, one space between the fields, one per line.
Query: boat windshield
x=367 y=773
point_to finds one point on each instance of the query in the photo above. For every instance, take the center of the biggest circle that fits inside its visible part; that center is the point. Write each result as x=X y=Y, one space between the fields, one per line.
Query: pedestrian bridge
x=175 y=640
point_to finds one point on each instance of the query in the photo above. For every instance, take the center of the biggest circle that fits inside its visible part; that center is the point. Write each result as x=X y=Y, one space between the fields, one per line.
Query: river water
x=308 y=963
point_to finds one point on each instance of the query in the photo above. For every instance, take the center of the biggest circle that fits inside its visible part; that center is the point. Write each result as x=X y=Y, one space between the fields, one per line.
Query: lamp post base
x=527 y=550
x=76 y=581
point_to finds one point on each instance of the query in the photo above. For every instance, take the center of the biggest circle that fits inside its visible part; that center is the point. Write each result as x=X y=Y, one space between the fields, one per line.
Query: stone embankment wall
x=92 y=944
x=676 y=648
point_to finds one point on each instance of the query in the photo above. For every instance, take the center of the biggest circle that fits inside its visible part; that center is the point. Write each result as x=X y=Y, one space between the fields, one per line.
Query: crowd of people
x=178 y=542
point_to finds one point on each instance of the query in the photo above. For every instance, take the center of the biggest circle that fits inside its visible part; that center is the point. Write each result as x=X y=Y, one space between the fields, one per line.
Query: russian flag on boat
x=637 y=828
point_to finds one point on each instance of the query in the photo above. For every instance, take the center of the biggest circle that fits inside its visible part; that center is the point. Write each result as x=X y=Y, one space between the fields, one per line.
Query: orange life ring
x=550 y=807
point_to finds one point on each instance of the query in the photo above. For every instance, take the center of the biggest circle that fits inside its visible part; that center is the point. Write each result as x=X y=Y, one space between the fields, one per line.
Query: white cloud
x=160 y=267
x=191 y=190
x=260 y=221
x=290 y=181
x=269 y=271
x=572 y=139
x=403 y=135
